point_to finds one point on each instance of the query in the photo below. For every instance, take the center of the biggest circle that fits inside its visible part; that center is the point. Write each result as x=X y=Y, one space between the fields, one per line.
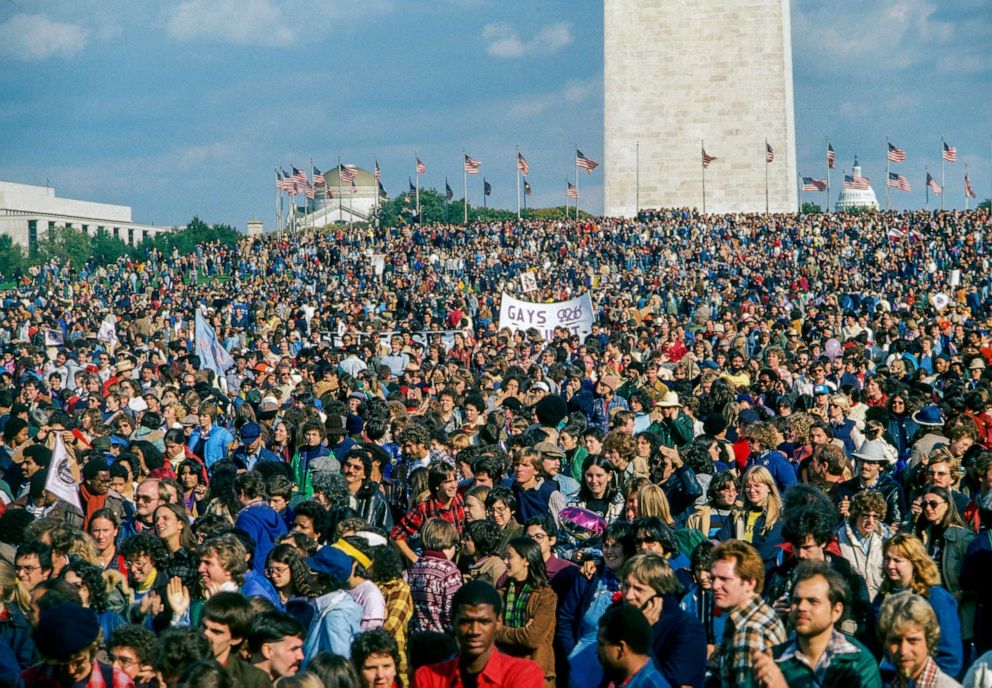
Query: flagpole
x=888 y=164
x=702 y=167
x=465 y=185
x=277 y=201
x=576 y=185
x=966 y=188
x=828 y=175
x=340 y=207
x=766 y=176
x=637 y=178
x=525 y=204
x=518 y=183
x=942 y=144
x=312 y=202
x=799 y=183
x=484 y=205
x=417 y=153
x=926 y=170
x=445 y=200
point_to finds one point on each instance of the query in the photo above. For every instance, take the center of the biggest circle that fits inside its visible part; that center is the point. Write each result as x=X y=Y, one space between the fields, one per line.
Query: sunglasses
x=932 y=503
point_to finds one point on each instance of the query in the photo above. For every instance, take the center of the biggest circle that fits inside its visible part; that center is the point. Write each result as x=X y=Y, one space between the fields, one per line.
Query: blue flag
x=212 y=355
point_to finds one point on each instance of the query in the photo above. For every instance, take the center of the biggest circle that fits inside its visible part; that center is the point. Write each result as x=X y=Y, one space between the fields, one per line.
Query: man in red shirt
x=475 y=610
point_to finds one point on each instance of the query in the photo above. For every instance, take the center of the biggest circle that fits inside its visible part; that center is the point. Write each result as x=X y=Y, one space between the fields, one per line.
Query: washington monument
x=680 y=75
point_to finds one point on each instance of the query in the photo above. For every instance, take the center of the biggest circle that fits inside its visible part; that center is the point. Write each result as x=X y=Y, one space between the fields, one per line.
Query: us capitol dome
x=850 y=199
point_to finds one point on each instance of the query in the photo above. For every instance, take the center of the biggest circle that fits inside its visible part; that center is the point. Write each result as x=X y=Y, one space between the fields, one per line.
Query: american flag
x=856 y=182
x=934 y=186
x=527 y=190
x=300 y=176
x=831 y=156
x=348 y=173
x=769 y=153
x=522 y=164
x=950 y=152
x=968 y=191
x=471 y=166
x=318 y=177
x=309 y=191
x=378 y=172
x=487 y=188
x=810 y=184
x=898 y=181
x=585 y=163
x=707 y=159
x=448 y=193
x=330 y=194
x=896 y=154
x=283 y=183
x=382 y=190
x=572 y=191
x=421 y=167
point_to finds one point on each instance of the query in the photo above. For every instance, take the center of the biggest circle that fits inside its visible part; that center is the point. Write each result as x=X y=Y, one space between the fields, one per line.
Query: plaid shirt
x=399 y=611
x=927 y=678
x=410 y=524
x=838 y=645
x=752 y=626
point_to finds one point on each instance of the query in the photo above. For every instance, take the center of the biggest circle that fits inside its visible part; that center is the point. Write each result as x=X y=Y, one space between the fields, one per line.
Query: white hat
x=874 y=450
x=669 y=400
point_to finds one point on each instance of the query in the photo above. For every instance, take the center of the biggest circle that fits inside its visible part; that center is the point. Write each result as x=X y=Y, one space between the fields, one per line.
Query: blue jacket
x=949 y=655
x=778 y=465
x=678 y=643
x=15 y=633
x=215 y=446
x=265 y=527
x=338 y=620
x=648 y=677
x=241 y=459
x=257 y=584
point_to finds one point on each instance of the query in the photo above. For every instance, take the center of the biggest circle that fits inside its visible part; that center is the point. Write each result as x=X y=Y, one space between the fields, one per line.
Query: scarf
x=93 y=503
x=517 y=595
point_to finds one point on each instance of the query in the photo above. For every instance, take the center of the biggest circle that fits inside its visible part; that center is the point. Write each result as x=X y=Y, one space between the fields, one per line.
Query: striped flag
x=810 y=184
x=522 y=164
x=299 y=176
x=707 y=159
x=934 y=186
x=421 y=167
x=856 y=182
x=572 y=192
x=527 y=190
x=950 y=152
x=968 y=191
x=896 y=234
x=471 y=166
x=588 y=164
x=280 y=182
x=898 y=181
x=831 y=156
x=378 y=172
x=288 y=183
x=318 y=177
x=348 y=173
x=896 y=154
x=769 y=153
x=308 y=191
x=448 y=193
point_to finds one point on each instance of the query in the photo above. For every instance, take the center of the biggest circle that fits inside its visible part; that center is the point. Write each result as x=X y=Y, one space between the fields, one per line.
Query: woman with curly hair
x=192 y=476
x=289 y=574
x=861 y=538
x=94 y=592
x=908 y=567
x=720 y=506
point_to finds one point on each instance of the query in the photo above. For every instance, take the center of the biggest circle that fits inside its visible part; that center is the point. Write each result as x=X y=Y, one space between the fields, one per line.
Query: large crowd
x=769 y=463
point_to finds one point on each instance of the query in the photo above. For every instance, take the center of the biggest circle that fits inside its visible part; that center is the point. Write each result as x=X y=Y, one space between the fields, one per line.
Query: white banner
x=60 y=481
x=575 y=315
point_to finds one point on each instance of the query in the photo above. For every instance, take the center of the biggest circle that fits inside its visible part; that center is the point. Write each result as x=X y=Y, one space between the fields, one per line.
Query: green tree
x=106 y=248
x=13 y=260
x=65 y=245
x=811 y=208
x=986 y=204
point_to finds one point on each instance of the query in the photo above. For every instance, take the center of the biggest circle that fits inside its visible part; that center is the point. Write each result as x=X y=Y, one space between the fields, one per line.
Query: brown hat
x=611 y=381
x=550 y=449
x=125 y=365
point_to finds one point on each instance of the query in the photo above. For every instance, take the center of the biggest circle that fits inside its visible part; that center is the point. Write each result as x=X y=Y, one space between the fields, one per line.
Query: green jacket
x=851 y=665
x=674 y=433
x=244 y=674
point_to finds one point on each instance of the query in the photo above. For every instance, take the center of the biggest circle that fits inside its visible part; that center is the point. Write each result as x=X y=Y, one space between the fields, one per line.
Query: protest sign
x=575 y=315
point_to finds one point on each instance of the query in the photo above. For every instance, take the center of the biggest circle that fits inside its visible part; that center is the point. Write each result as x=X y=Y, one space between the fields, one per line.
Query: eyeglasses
x=538 y=537
x=499 y=508
x=870 y=517
x=27 y=568
x=123 y=661
x=145 y=498
x=933 y=503
x=276 y=570
x=646 y=540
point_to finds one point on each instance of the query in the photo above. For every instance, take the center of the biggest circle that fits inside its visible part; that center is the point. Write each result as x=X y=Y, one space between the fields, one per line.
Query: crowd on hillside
x=768 y=464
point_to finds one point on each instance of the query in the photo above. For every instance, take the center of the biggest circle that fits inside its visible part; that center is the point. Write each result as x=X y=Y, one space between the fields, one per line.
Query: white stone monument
x=678 y=72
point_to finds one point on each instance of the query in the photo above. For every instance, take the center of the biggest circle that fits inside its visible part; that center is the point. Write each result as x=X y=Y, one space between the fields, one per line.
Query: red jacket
x=501 y=671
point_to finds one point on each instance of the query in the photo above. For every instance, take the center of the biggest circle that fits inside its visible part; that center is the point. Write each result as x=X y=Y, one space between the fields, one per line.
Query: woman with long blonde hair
x=908 y=567
x=758 y=520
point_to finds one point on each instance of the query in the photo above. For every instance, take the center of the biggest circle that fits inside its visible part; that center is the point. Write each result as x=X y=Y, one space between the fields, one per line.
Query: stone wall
x=677 y=72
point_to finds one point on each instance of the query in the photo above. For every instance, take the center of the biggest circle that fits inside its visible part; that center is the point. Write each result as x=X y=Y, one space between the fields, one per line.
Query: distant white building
x=340 y=201
x=850 y=199
x=27 y=212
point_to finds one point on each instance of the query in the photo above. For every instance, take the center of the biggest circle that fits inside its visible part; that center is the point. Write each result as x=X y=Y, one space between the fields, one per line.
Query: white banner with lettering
x=575 y=315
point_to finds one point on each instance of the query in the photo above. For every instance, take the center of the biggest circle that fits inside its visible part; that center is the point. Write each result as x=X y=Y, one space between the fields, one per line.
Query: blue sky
x=185 y=107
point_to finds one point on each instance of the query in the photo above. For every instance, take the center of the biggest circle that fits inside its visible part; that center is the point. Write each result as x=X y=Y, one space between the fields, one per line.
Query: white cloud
x=571 y=93
x=242 y=22
x=32 y=37
x=502 y=40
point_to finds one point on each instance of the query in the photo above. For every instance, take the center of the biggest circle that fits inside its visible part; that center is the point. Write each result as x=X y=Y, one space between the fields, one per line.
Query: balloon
x=832 y=348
